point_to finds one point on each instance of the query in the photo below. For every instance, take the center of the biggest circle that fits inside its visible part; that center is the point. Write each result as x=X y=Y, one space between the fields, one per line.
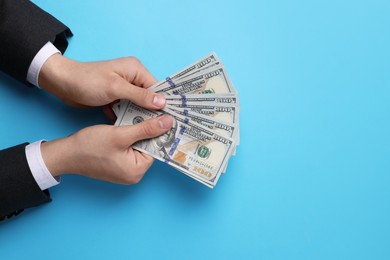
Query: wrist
x=54 y=75
x=59 y=156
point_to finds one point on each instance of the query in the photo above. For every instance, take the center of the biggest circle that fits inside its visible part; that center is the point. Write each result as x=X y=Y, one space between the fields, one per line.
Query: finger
x=137 y=167
x=140 y=161
x=147 y=129
x=140 y=96
x=143 y=161
x=141 y=75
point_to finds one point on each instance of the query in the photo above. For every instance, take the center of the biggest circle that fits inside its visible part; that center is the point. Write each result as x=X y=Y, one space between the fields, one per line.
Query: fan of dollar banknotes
x=202 y=100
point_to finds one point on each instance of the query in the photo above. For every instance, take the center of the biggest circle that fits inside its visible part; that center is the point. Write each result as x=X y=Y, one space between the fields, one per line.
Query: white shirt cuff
x=40 y=58
x=38 y=167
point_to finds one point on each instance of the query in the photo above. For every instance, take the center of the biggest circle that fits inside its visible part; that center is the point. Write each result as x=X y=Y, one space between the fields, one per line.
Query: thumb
x=138 y=95
x=148 y=129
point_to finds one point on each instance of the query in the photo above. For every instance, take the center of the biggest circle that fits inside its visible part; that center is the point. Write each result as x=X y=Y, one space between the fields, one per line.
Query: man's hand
x=99 y=83
x=104 y=152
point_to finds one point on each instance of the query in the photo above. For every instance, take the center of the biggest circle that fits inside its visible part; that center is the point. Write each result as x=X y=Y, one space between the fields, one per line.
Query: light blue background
x=311 y=177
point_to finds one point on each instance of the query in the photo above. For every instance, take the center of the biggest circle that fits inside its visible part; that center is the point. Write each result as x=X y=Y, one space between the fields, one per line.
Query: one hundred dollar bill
x=226 y=129
x=205 y=106
x=201 y=64
x=116 y=108
x=188 y=146
x=227 y=113
x=205 y=99
x=212 y=80
x=221 y=127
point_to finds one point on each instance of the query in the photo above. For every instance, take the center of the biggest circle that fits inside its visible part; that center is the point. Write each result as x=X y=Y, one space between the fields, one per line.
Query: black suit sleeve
x=24 y=30
x=18 y=188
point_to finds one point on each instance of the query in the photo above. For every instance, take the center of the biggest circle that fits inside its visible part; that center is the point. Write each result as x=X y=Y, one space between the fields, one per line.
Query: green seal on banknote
x=204 y=105
x=204 y=152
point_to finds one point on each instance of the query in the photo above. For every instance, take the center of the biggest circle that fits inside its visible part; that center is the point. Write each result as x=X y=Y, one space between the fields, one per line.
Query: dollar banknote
x=204 y=104
x=225 y=127
x=189 y=146
x=212 y=80
x=199 y=65
x=202 y=99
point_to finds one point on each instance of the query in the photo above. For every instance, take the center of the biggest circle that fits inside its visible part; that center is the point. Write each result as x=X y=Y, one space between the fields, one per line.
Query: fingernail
x=159 y=101
x=165 y=122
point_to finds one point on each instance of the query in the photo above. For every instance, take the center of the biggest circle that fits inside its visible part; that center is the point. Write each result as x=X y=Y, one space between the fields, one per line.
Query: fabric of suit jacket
x=24 y=30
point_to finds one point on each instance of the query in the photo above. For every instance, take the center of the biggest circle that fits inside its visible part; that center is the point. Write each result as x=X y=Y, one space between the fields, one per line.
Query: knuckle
x=129 y=181
x=146 y=95
x=137 y=179
x=144 y=167
x=133 y=179
x=149 y=161
x=132 y=61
